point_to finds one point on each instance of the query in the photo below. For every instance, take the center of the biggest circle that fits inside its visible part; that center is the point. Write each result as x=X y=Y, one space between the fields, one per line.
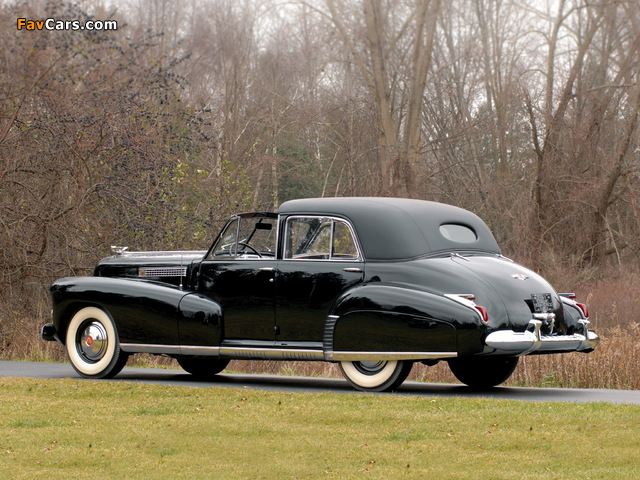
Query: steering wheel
x=246 y=245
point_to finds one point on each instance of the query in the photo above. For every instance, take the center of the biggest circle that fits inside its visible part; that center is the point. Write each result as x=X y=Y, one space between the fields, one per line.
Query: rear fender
x=572 y=316
x=379 y=317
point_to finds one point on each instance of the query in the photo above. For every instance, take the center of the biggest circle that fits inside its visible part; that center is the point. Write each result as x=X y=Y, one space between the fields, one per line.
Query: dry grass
x=612 y=303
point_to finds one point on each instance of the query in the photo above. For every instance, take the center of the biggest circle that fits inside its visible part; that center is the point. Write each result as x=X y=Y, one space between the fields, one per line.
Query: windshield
x=246 y=237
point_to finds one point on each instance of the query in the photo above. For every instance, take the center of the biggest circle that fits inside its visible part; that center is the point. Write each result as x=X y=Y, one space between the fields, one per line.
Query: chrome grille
x=162 y=272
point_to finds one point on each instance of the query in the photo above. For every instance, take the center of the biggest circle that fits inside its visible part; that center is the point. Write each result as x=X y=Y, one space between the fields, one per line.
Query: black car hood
x=168 y=267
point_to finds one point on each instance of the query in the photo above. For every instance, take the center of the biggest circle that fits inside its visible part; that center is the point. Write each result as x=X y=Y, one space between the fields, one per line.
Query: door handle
x=267 y=269
x=354 y=270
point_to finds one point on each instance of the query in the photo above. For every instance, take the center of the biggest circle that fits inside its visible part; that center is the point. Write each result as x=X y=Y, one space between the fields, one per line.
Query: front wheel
x=92 y=344
x=379 y=376
x=483 y=372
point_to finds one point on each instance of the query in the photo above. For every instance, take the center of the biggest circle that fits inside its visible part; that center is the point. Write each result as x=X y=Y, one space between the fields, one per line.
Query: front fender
x=382 y=317
x=144 y=312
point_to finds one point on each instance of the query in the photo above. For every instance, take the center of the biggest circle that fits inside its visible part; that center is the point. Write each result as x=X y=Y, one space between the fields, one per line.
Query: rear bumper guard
x=532 y=340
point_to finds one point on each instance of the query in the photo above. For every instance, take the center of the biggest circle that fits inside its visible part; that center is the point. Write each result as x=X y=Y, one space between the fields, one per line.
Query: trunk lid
x=510 y=292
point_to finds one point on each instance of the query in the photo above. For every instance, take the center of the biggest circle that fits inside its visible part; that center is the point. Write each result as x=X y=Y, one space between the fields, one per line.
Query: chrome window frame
x=333 y=218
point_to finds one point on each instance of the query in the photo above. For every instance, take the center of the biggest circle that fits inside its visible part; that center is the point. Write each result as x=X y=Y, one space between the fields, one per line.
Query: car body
x=375 y=284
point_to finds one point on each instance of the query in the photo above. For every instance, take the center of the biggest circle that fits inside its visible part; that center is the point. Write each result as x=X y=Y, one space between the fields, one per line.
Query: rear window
x=458 y=233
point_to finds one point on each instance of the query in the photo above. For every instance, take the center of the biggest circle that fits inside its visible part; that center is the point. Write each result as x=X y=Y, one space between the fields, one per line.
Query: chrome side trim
x=170 y=349
x=150 y=348
x=280 y=353
x=200 y=351
x=377 y=356
x=271 y=353
x=124 y=252
x=229 y=352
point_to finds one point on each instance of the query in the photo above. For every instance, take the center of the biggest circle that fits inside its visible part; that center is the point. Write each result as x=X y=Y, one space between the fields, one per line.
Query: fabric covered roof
x=398 y=228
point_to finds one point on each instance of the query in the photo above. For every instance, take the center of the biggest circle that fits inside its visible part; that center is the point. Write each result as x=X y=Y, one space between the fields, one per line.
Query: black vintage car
x=374 y=284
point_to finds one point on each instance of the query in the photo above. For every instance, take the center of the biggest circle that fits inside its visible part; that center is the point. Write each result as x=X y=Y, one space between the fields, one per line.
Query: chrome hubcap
x=93 y=341
x=369 y=368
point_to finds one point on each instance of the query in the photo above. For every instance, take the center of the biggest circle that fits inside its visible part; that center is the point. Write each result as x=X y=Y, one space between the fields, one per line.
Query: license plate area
x=542 y=302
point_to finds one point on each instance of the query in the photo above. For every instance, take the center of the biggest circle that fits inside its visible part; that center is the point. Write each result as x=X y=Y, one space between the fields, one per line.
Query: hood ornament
x=519 y=276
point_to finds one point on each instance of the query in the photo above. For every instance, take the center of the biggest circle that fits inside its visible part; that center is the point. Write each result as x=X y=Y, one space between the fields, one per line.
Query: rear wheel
x=203 y=367
x=374 y=376
x=483 y=372
x=92 y=344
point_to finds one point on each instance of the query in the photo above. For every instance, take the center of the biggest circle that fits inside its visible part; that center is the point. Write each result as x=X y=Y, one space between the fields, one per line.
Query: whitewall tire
x=92 y=344
x=380 y=376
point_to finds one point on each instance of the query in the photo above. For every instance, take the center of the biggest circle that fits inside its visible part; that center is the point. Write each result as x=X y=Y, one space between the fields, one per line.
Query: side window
x=344 y=246
x=319 y=238
x=305 y=237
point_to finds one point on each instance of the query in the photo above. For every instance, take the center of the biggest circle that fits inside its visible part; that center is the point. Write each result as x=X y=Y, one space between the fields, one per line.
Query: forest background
x=150 y=136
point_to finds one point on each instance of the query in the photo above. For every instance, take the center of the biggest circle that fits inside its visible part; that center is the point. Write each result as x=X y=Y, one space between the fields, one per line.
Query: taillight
x=467 y=299
x=583 y=308
x=483 y=313
x=571 y=296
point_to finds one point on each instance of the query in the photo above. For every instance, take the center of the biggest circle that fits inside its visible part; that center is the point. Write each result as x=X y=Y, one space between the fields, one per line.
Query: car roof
x=398 y=228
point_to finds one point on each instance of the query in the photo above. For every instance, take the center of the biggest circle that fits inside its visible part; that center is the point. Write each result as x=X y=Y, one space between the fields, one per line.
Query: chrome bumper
x=532 y=340
x=48 y=332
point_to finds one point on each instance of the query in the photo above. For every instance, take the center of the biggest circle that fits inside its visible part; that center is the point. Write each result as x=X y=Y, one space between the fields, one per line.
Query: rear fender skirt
x=386 y=321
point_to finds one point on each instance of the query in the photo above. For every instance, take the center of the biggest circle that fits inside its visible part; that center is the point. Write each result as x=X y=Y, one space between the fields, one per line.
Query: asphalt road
x=318 y=385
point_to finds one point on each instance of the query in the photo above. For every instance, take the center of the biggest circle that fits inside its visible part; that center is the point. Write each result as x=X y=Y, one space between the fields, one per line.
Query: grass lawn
x=61 y=429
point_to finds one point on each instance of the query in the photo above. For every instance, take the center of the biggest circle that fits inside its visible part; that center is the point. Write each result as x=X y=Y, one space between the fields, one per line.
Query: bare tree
x=589 y=104
x=379 y=40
